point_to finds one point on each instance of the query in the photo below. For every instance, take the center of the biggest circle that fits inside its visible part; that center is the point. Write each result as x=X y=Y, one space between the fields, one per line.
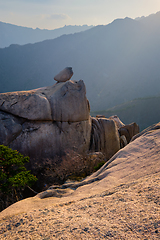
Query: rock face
x=65 y=102
x=42 y=123
x=10 y=127
x=46 y=123
x=129 y=131
x=104 y=136
x=69 y=102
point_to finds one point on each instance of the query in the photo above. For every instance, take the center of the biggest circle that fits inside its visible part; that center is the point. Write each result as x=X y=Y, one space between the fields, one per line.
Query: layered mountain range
x=13 y=34
x=118 y=62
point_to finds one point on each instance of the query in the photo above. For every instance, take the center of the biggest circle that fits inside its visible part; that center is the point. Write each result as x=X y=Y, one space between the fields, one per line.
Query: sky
x=51 y=14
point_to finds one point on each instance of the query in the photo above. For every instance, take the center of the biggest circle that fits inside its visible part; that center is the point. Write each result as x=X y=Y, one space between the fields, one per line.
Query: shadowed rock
x=129 y=131
x=48 y=122
x=44 y=122
x=10 y=127
x=104 y=136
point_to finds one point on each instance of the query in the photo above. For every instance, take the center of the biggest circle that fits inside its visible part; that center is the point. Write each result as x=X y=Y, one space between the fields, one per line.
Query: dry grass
x=71 y=165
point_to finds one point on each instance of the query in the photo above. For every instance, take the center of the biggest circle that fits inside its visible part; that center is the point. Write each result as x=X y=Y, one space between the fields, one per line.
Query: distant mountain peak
x=13 y=34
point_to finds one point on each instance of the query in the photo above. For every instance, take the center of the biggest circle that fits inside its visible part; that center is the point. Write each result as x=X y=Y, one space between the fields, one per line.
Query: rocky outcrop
x=64 y=102
x=51 y=125
x=137 y=159
x=42 y=123
x=104 y=136
x=126 y=132
x=117 y=121
x=129 y=131
x=47 y=123
x=28 y=105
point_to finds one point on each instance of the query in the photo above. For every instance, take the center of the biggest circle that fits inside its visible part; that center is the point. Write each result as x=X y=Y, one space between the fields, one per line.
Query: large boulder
x=26 y=104
x=68 y=102
x=63 y=102
x=47 y=140
x=45 y=122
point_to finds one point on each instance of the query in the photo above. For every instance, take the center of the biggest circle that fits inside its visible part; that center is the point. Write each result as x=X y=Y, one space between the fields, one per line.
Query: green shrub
x=13 y=174
x=99 y=165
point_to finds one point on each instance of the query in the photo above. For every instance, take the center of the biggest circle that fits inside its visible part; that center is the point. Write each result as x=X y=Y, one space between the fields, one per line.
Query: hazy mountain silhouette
x=118 y=62
x=144 y=111
x=13 y=34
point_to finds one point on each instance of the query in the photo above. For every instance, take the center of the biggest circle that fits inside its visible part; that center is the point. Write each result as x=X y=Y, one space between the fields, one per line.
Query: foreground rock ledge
x=138 y=159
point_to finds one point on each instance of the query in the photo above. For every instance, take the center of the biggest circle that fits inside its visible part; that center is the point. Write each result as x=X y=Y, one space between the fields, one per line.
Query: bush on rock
x=13 y=175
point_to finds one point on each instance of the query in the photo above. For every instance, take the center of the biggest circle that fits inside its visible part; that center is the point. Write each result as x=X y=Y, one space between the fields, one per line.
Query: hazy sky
x=51 y=14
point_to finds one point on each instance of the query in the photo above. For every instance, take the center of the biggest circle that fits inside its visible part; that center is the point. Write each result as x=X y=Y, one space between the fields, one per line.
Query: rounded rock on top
x=64 y=75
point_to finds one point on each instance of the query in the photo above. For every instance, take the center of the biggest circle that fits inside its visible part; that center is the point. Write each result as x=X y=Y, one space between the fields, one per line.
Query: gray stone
x=69 y=103
x=10 y=127
x=104 y=137
x=118 y=122
x=129 y=131
x=26 y=104
x=64 y=75
x=46 y=140
x=123 y=141
x=65 y=102
x=45 y=122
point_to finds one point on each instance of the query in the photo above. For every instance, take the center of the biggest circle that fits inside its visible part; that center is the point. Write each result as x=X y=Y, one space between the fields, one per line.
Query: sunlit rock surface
x=44 y=122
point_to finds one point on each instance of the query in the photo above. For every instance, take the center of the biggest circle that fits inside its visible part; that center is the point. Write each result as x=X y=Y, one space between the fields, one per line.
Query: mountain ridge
x=13 y=34
x=118 y=62
x=143 y=111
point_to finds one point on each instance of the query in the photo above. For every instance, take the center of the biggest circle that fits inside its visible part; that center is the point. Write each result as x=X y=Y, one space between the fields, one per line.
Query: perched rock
x=64 y=75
